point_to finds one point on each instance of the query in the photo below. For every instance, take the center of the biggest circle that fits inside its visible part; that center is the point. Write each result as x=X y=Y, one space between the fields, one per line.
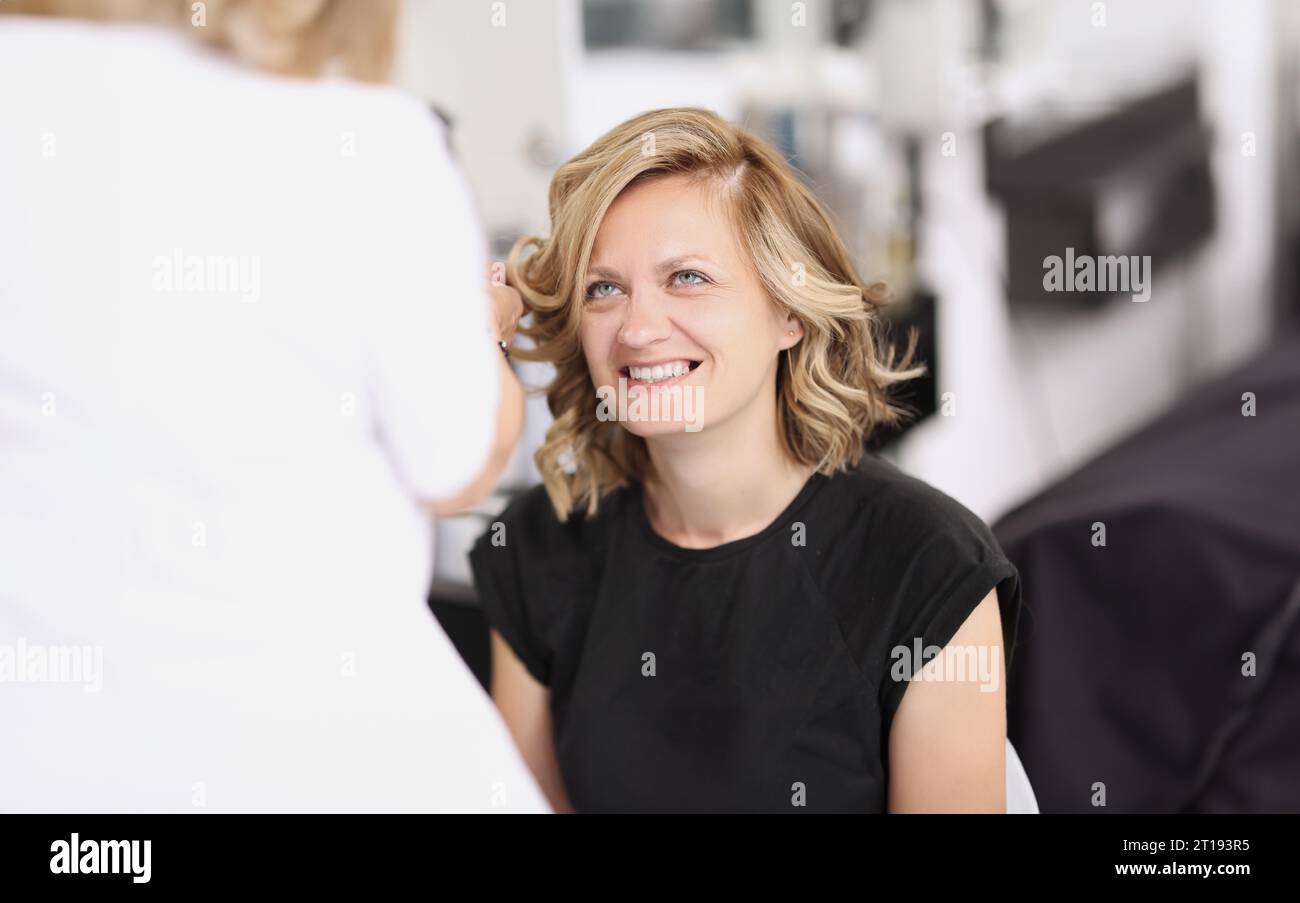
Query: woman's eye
x=601 y=289
x=690 y=277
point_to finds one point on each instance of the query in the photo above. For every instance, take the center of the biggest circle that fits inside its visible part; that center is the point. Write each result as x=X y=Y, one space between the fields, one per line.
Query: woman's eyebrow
x=676 y=263
x=602 y=273
x=667 y=266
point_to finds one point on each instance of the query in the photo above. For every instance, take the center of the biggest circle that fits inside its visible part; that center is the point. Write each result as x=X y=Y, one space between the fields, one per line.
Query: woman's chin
x=655 y=429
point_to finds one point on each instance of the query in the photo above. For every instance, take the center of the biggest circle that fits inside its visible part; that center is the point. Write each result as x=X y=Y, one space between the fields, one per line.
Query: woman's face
x=673 y=307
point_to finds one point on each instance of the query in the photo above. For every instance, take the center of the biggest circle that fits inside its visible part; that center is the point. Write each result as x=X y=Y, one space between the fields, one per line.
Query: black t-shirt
x=752 y=676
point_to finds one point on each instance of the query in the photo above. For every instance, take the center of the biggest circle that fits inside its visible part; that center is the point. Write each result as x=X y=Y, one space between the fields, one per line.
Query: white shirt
x=243 y=331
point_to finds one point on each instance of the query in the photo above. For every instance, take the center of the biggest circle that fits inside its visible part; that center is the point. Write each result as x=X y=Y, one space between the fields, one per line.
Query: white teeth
x=659 y=371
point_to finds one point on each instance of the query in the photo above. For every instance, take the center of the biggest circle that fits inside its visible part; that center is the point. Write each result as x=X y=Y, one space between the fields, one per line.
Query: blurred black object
x=850 y=20
x=1129 y=666
x=919 y=396
x=1151 y=156
x=702 y=24
x=467 y=629
x=674 y=25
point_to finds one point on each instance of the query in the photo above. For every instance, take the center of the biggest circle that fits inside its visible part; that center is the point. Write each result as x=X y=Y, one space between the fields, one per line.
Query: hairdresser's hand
x=507 y=308
x=507 y=304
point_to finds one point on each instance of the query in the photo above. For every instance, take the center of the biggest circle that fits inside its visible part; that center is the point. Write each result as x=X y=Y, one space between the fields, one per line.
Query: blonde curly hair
x=832 y=387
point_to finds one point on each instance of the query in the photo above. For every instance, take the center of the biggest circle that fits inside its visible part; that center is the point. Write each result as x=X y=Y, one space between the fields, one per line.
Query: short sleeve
x=498 y=578
x=942 y=579
x=434 y=369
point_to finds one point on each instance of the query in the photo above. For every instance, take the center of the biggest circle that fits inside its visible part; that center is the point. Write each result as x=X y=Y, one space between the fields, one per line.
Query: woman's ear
x=791 y=332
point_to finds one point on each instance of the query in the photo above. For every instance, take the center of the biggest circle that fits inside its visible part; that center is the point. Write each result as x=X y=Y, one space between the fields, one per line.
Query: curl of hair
x=833 y=387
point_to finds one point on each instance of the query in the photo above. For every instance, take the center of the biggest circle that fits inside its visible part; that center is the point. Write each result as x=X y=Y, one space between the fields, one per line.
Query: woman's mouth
x=659 y=374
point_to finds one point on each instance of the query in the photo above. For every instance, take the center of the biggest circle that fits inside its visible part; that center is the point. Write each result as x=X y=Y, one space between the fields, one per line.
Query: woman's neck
x=720 y=485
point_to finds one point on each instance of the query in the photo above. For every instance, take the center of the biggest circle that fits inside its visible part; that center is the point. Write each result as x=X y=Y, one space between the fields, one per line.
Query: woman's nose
x=644 y=323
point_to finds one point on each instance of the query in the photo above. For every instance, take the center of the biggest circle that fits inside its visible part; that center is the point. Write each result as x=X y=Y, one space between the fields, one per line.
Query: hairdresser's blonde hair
x=291 y=37
x=832 y=387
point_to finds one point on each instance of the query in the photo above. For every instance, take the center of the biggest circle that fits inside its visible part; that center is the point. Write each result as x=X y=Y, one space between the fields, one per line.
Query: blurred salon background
x=959 y=144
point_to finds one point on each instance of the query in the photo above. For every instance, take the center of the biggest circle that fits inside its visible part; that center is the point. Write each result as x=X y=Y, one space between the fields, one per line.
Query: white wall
x=498 y=67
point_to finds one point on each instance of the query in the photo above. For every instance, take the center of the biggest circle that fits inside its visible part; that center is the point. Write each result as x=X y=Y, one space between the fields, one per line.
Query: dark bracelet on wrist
x=505 y=349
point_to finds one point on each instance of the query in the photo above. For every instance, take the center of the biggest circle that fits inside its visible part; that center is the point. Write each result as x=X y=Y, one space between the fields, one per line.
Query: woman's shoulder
x=530 y=518
x=908 y=543
x=536 y=573
x=879 y=497
x=904 y=563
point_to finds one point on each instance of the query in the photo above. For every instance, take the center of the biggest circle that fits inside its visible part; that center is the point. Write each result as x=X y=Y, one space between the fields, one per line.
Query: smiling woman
x=709 y=619
x=716 y=214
